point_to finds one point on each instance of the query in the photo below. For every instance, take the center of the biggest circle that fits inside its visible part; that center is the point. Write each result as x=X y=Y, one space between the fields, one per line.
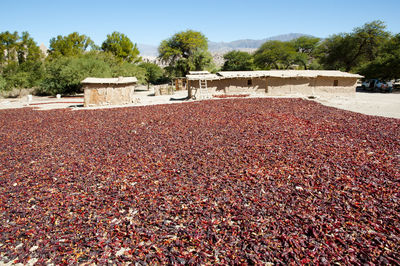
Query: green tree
x=306 y=50
x=8 y=47
x=201 y=60
x=73 y=44
x=387 y=64
x=305 y=44
x=28 y=50
x=21 y=64
x=275 y=54
x=347 y=51
x=237 y=61
x=153 y=73
x=339 y=52
x=122 y=47
x=185 y=51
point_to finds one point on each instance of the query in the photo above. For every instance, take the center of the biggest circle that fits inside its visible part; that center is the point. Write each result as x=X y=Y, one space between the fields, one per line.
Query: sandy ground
x=379 y=104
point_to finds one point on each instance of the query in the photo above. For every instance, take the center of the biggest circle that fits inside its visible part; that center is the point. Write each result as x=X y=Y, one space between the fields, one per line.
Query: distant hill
x=249 y=44
x=220 y=48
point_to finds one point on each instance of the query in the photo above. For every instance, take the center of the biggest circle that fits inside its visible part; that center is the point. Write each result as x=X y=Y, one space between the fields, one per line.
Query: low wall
x=106 y=94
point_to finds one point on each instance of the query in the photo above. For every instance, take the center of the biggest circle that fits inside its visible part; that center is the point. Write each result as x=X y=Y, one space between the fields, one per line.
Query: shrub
x=64 y=74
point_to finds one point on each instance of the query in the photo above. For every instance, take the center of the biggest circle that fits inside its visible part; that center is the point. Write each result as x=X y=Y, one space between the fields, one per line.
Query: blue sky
x=149 y=22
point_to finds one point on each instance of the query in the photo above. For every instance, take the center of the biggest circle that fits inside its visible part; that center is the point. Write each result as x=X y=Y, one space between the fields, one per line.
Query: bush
x=21 y=76
x=3 y=83
x=64 y=74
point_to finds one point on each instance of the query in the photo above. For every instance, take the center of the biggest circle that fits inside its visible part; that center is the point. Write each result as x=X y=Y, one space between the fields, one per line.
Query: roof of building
x=203 y=77
x=198 y=72
x=287 y=74
x=119 y=80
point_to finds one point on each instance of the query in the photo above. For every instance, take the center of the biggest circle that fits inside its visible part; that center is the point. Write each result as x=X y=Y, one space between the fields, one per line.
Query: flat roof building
x=273 y=82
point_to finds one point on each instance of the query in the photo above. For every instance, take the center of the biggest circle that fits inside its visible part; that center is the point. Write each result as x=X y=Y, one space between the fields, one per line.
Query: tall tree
x=387 y=64
x=27 y=49
x=348 y=50
x=275 y=54
x=21 y=61
x=237 y=61
x=185 y=51
x=305 y=47
x=8 y=46
x=73 y=44
x=122 y=47
x=200 y=60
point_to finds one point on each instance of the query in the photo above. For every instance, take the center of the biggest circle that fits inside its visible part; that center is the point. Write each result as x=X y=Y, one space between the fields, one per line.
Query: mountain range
x=249 y=45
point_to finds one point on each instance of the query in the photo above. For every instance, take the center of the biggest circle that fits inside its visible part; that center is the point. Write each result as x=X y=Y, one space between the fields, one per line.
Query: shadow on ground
x=361 y=90
x=179 y=99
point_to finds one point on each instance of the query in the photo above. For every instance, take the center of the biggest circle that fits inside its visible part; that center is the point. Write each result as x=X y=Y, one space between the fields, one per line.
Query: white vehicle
x=396 y=83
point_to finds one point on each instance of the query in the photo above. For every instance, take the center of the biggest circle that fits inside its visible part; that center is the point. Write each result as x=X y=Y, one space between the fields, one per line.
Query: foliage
x=8 y=45
x=64 y=74
x=72 y=45
x=306 y=48
x=238 y=61
x=154 y=73
x=387 y=64
x=185 y=51
x=201 y=60
x=28 y=50
x=305 y=45
x=283 y=55
x=3 y=83
x=21 y=64
x=347 y=51
x=126 y=69
x=275 y=54
x=121 y=47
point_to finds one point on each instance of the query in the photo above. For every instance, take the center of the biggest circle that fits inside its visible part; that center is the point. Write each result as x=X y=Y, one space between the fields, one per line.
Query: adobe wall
x=241 y=85
x=325 y=85
x=108 y=94
x=285 y=86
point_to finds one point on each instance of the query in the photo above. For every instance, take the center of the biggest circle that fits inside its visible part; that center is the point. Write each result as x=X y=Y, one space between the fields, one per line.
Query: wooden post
x=198 y=94
x=266 y=85
x=189 y=89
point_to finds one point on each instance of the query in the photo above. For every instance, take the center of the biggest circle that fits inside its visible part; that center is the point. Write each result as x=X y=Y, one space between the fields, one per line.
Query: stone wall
x=108 y=94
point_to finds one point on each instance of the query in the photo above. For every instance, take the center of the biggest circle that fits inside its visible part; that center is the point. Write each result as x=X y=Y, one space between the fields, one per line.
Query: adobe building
x=109 y=91
x=272 y=82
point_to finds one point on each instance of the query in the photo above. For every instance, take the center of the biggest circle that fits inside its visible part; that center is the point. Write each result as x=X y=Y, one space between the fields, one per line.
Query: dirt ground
x=378 y=104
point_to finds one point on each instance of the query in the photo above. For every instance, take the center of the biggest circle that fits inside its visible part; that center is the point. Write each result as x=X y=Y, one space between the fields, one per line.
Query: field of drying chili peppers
x=222 y=181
